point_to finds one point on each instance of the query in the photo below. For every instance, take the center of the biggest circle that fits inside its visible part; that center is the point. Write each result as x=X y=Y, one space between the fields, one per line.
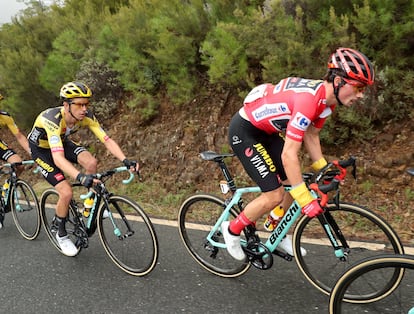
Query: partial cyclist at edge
x=6 y=152
x=267 y=133
x=56 y=153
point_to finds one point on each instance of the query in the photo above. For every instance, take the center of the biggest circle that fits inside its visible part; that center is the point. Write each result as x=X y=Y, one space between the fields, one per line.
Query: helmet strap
x=70 y=111
x=336 y=90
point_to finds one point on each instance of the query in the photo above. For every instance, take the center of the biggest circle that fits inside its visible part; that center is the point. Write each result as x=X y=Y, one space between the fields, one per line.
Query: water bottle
x=87 y=204
x=5 y=188
x=273 y=219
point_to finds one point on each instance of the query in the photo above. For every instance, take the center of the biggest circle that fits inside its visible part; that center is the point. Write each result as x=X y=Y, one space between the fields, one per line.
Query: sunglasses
x=80 y=104
x=358 y=87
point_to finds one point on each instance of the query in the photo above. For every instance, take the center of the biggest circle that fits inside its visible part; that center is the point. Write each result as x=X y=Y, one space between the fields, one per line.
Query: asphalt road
x=36 y=278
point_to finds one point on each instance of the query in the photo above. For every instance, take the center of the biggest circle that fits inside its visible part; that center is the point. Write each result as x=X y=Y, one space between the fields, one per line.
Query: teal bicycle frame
x=13 y=180
x=277 y=235
x=99 y=198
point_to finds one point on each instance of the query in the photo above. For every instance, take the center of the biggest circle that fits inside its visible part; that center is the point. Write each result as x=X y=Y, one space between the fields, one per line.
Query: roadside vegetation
x=138 y=51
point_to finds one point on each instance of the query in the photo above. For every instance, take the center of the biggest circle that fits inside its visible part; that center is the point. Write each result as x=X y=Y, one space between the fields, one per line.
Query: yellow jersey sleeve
x=6 y=119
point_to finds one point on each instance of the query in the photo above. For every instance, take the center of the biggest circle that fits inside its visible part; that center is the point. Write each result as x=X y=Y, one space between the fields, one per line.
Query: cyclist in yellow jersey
x=6 y=153
x=55 y=153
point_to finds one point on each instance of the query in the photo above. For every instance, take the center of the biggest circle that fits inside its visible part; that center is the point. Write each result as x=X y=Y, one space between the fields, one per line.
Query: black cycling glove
x=130 y=163
x=85 y=179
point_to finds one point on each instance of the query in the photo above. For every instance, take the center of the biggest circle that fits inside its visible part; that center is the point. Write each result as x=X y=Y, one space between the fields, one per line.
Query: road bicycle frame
x=101 y=194
x=5 y=201
x=277 y=235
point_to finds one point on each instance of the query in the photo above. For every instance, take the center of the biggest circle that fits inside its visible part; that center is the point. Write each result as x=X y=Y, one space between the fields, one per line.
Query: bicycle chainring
x=82 y=238
x=259 y=255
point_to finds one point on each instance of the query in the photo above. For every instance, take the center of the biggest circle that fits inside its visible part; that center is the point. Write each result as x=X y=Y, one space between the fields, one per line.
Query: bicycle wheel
x=48 y=202
x=128 y=236
x=374 y=268
x=365 y=233
x=25 y=210
x=196 y=218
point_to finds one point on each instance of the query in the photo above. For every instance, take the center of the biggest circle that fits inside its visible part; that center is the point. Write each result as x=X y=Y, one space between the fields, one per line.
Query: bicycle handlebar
x=14 y=165
x=333 y=177
x=109 y=173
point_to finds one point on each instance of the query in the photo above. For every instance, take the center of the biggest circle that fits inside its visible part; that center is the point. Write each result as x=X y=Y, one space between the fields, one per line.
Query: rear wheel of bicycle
x=25 y=210
x=366 y=234
x=128 y=236
x=196 y=217
x=48 y=202
x=373 y=268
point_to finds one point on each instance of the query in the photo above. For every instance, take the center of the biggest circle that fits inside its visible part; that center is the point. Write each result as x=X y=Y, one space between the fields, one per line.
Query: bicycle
x=19 y=197
x=363 y=276
x=125 y=230
x=350 y=232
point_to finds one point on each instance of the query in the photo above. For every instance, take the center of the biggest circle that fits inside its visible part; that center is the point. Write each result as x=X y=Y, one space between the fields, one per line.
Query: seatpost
x=227 y=175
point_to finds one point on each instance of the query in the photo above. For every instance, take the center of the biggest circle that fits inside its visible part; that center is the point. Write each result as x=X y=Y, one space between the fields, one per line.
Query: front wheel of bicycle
x=128 y=235
x=25 y=210
x=366 y=234
x=48 y=202
x=374 y=268
x=197 y=216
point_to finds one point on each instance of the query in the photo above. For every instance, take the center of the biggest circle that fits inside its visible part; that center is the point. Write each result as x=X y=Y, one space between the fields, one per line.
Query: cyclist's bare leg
x=88 y=162
x=64 y=190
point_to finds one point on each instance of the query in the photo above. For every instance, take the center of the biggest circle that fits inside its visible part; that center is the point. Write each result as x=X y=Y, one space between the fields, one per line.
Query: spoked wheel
x=128 y=236
x=365 y=233
x=375 y=268
x=197 y=216
x=25 y=210
x=48 y=203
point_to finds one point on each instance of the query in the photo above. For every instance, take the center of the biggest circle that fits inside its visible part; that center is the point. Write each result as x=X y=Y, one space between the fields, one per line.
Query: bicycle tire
x=48 y=201
x=366 y=233
x=25 y=210
x=136 y=253
x=361 y=268
x=196 y=217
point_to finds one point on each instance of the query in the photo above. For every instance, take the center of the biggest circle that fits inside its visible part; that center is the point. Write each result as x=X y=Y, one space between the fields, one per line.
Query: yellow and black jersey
x=50 y=130
x=7 y=120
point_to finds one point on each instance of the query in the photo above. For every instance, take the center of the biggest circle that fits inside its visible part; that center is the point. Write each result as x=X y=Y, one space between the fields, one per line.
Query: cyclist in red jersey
x=268 y=131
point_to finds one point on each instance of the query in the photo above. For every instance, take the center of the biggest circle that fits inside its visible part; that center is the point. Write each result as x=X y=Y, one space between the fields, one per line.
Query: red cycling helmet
x=354 y=63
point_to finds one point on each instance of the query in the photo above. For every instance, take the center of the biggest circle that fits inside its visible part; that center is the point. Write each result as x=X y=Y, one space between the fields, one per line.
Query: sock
x=62 y=226
x=237 y=225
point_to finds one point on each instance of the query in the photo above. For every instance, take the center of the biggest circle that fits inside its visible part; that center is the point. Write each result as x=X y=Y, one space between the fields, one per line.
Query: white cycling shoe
x=232 y=242
x=66 y=245
x=287 y=246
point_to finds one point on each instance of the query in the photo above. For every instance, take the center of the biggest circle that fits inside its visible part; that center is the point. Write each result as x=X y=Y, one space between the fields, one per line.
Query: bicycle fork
x=117 y=231
x=333 y=232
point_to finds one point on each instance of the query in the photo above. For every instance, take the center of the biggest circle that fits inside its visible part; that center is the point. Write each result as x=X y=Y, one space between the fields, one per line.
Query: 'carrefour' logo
x=300 y=122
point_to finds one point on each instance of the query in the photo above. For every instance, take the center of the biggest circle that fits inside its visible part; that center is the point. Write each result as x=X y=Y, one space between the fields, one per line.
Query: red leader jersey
x=290 y=106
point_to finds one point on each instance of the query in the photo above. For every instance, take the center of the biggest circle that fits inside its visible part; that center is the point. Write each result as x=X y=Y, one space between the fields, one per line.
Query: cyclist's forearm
x=114 y=149
x=24 y=143
x=312 y=144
